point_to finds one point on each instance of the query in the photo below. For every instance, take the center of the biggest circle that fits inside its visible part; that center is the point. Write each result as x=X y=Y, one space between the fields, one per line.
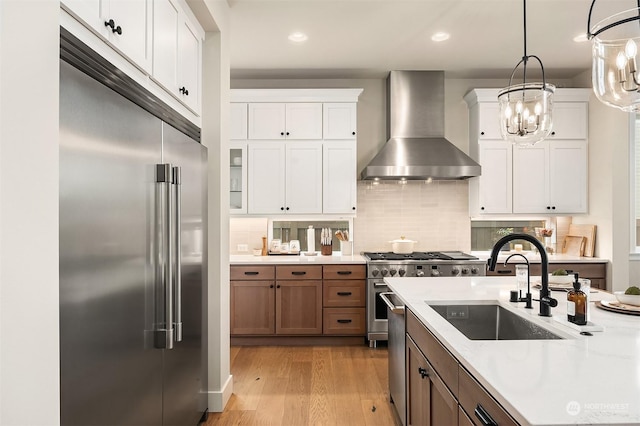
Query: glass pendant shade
x=525 y=112
x=614 y=74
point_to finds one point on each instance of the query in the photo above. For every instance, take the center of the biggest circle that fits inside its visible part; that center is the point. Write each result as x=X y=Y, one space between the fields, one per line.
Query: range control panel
x=439 y=269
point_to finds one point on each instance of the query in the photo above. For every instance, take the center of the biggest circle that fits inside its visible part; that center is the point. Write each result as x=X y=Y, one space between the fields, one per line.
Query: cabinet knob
x=482 y=133
x=278 y=286
x=282 y=208
x=553 y=207
x=423 y=372
x=353 y=208
x=548 y=207
x=110 y=23
x=353 y=133
x=287 y=133
x=184 y=91
x=287 y=208
x=281 y=133
x=117 y=30
x=553 y=133
x=271 y=286
x=481 y=208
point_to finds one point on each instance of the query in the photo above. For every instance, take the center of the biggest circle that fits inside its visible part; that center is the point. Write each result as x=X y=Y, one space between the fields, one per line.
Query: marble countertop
x=535 y=257
x=295 y=260
x=575 y=380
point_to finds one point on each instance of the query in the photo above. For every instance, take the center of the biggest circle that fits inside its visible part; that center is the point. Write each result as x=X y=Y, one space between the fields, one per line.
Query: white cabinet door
x=133 y=17
x=339 y=177
x=266 y=177
x=568 y=176
x=304 y=120
x=531 y=178
x=569 y=120
x=303 y=177
x=189 y=48
x=166 y=19
x=238 y=127
x=266 y=121
x=238 y=177
x=339 y=120
x=495 y=182
x=88 y=11
x=489 y=120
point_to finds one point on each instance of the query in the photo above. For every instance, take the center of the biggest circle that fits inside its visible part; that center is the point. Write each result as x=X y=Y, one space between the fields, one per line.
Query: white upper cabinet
x=176 y=53
x=125 y=24
x=266 y=178
x=569 y=120
x=303 y=177
x=339 y=120
x=489 y=121
x=494 y=184
x=238 y=125
x=531 y=178
x=339 y=177
x=271 y=120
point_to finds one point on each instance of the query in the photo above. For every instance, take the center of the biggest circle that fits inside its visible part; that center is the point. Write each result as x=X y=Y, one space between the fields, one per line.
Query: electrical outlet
x=243 y=247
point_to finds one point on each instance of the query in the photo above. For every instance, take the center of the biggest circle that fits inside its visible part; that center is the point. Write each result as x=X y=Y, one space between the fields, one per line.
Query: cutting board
x=573 y=245
x=587 y=231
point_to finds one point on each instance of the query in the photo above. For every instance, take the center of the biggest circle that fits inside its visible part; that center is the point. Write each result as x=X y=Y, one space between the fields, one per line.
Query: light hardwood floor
x=311 y=385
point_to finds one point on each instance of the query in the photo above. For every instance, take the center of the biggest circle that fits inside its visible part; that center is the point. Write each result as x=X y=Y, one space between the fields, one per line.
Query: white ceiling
x=368 y=38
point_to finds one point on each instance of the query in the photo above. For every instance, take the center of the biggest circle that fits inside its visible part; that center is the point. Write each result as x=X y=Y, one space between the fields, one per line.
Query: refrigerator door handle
x=177 y=252
x=164 y=334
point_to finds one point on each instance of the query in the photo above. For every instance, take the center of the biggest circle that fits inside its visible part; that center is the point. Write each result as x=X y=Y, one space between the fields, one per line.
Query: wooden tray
x=618 y=307
x=574 y=245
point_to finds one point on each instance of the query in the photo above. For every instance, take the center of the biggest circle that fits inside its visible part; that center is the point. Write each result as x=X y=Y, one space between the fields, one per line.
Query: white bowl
x=629 y=299
x=560 y=279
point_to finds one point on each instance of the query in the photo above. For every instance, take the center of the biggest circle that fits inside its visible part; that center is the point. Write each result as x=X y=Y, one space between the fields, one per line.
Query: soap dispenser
x=577 y=304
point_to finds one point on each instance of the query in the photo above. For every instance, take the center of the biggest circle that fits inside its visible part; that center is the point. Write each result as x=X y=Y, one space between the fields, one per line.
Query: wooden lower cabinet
x=440 y=391
x=299 y=307
x=429 y=402
x=252 y=307
x=596 y=272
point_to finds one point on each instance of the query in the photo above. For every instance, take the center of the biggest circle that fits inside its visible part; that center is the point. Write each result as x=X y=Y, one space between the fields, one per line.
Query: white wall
x=29 y=87
x=215 y=115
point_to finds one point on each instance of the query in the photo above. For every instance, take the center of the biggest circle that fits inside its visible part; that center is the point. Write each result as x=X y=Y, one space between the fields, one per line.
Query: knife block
x=326 y=250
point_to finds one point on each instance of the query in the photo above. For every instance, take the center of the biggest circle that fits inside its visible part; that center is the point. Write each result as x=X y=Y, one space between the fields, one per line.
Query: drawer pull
x=483 y=416
x=505 y=271
x=423 y=372
x=344 y=272
x=344 y=321
x=299 y=273
x=344 y=293
x=251 y=272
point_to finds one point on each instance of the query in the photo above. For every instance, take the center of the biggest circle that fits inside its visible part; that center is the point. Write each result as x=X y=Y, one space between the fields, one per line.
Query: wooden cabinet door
x=339 y=177
x=303 y=176
x=339 y=120
x=568 y=176
x=252 y=307
x=299 y=307
x=495 y=187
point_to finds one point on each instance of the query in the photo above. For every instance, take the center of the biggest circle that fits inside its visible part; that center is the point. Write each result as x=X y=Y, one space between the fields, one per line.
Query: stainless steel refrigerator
x=132 y=260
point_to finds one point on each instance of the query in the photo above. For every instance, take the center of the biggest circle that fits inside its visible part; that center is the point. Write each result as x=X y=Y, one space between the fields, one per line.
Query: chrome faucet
x=546 y=302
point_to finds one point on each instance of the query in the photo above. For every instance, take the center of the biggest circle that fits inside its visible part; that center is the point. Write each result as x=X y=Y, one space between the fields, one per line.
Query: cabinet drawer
x=298 y=272
x=252 y=273
x=443 y=362
x=475 y=400
x=343 y=293
x=344 y=272
x=349 y=321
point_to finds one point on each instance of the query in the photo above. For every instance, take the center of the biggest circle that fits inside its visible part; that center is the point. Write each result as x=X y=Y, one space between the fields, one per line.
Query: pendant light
x=614 y=49
x=525 y=108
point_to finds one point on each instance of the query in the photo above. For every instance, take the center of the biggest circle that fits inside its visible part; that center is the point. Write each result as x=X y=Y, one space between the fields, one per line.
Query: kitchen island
x=574 y=380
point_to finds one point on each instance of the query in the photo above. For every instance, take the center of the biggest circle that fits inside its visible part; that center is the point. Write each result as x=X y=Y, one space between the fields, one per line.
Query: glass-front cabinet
x=238 y=177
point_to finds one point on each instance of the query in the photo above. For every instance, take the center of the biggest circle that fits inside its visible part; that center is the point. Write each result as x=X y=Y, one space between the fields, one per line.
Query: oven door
x=377 y=324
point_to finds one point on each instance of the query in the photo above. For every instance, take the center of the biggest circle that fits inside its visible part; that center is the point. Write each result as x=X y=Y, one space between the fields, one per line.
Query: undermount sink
x=491 y=322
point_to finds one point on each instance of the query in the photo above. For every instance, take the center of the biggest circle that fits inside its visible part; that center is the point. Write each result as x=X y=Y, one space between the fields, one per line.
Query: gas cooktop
x=419 y=255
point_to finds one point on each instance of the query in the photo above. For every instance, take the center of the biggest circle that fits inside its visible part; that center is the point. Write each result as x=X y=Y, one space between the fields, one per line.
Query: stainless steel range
x=416 y=264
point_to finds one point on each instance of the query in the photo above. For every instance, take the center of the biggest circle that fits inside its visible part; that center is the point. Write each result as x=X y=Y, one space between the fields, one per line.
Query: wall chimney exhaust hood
x=416 y=148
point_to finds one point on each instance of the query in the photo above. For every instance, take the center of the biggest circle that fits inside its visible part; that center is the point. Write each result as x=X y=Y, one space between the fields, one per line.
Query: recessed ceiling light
x=298 y=37
x=580 y=38
x=440 y=36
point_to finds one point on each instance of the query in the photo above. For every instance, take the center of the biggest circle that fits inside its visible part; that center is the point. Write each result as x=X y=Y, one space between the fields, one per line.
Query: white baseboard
x=218 y=399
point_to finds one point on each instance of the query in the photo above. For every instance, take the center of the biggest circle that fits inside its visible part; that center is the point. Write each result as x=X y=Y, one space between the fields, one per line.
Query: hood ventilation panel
x=416 y=148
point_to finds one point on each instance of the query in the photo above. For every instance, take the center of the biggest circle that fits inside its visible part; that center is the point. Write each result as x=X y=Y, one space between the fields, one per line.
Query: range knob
x=384 y=272
x=455 y=271
x=401 y=272
x=375 y=272
x=419 y=273
x=435 y=273
x=474 y=270
x=392 y=272
x=465 y=271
